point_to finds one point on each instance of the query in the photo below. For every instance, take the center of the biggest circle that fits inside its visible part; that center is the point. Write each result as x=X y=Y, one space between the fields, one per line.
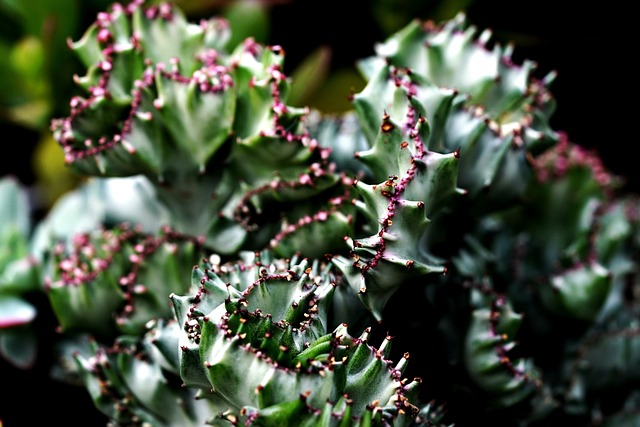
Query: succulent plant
x=257 y=335
x=212 y=160
x=234 y=260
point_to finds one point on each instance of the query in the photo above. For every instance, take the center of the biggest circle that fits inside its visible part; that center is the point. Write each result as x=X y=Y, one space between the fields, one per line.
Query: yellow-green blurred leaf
x=248 y=18
x=53 y=177
x=309 y=76
x=334 y=95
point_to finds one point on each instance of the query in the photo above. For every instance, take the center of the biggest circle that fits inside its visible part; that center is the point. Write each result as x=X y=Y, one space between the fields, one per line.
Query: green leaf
x=13 y=205
x=248 y=18
x=15 y=311
x=18 y=345
x=309 y=76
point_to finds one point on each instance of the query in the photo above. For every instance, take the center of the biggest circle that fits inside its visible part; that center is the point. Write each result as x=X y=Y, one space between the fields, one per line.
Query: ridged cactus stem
x=256 y=332
x=335 y=205
x=124 y=268
x=489 y=345
x=208 y=126
x=394 y=188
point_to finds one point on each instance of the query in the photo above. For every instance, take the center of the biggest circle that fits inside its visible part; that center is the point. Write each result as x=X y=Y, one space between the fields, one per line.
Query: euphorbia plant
x=235 y=260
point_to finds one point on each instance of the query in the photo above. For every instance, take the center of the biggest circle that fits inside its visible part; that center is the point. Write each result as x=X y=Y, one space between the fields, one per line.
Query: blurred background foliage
x=322 y=41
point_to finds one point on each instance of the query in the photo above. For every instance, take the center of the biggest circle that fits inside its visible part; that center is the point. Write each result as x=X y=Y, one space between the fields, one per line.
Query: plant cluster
x=231 y=259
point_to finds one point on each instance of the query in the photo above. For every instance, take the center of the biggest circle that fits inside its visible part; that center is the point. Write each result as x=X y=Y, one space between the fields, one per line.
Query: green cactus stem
x=205 y=122
x=570 y=247
x=494 y=117
x=398 y=206
x=256 y=334
x=482 y=128
x=129 y=272
x=455 y=55
x=133 y=381
x=489 y=342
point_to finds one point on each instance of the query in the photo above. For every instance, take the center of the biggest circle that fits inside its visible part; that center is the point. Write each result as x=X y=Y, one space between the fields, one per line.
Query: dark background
x=590 y=46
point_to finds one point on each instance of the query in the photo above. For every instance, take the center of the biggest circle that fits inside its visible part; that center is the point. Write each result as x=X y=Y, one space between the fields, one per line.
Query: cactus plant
x=234 y=260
